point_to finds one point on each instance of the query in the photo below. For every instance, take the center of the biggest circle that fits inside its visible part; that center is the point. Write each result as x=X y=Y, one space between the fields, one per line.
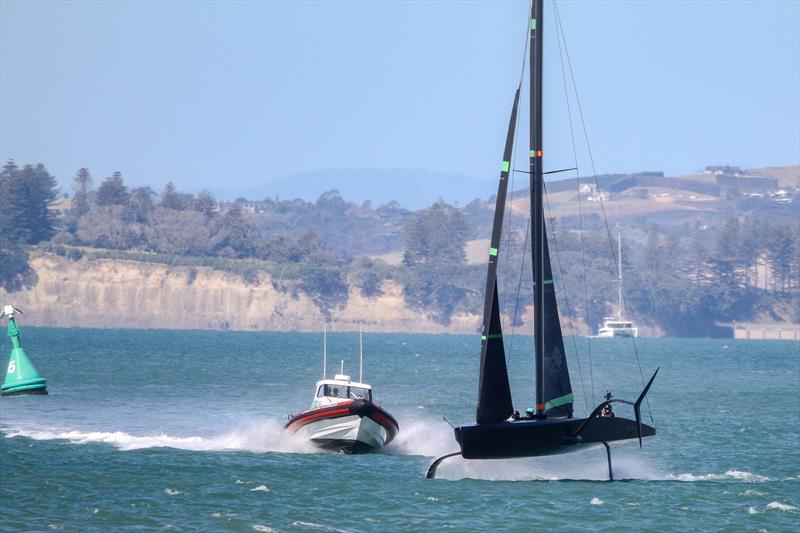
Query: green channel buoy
x=21 y=375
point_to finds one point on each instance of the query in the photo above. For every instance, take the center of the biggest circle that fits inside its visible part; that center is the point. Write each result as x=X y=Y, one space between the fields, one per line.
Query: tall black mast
x=536 y=193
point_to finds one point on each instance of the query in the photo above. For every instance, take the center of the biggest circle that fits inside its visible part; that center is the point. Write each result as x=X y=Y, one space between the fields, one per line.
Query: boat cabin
x=340 y=389
x=616 y=327
x=617 y=324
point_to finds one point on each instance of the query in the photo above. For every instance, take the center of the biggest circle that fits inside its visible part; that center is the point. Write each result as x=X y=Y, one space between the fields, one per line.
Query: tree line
x=685 y=279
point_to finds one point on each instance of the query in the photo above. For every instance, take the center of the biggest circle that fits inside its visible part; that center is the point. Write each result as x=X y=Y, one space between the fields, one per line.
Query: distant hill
x=786 y=176
x=412 y=188
x=650 y=197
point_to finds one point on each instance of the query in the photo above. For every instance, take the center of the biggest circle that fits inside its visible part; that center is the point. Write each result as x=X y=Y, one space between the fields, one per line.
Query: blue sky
x=234 y=95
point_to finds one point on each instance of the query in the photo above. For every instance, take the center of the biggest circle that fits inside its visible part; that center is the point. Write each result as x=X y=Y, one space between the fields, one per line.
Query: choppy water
x=151 y=429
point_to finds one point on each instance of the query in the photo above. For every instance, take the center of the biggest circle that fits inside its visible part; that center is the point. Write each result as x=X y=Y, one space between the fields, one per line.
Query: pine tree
x=436 y=235
x=25 y=207
x=236 y=235
x=172 y=199
x=25 y=218
x=141 y=202
x=727 y=256
x=205 y=203
x=82 y=185
x=42 y=191
x=781 y=255
x=113 y=191
x=12 y=223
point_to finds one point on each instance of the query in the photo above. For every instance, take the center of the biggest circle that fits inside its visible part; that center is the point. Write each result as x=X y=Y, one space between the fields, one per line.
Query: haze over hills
x=418 y=188
x=411 y=188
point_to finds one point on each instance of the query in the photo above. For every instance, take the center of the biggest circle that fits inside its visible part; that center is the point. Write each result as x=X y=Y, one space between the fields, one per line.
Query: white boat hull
x=617 y=332
x=346 y=433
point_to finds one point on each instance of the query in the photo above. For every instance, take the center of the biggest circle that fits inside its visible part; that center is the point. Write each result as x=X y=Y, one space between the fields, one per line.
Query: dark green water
x=151 y=429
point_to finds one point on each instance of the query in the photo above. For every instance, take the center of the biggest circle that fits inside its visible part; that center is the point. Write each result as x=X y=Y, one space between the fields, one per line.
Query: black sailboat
x=552 y=428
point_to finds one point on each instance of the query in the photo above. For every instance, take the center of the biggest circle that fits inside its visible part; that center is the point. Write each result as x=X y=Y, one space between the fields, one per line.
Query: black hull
x=534 y=438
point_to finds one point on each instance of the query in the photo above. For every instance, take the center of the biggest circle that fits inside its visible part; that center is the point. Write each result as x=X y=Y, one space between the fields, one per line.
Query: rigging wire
x=510 y=192
x=559 y=36
x=519 y=288
x=597 y=185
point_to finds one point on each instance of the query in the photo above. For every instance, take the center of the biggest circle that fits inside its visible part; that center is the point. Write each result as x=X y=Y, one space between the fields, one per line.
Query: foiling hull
x=350 y=427
x=532 y=438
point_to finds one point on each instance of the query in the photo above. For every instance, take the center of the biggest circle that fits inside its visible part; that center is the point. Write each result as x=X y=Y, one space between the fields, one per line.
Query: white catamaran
x=617 y=326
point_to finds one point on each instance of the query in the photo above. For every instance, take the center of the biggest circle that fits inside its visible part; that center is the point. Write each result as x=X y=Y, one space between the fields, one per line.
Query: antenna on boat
x=325 y=350
x=619 y=270
x=360 y=356
x=341 y=367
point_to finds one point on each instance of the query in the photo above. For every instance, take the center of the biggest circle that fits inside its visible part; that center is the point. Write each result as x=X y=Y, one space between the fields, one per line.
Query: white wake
x=422 y=437
x=264 y=436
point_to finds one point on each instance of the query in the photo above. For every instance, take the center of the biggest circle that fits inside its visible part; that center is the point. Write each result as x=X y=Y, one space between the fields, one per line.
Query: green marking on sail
x=493 y=251
x=547 y=282
x=533 y=154
x=533 y=24
x=556 y=402
x=492 y=336
x=505 y=166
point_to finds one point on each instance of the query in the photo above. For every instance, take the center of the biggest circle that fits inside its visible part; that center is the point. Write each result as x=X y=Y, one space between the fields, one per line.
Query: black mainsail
x=551 y=428
x=557 y=390
x=494 y=393
x=553 y=389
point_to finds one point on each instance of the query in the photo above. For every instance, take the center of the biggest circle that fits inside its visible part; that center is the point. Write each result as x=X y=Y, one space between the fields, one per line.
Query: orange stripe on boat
x=318 y=416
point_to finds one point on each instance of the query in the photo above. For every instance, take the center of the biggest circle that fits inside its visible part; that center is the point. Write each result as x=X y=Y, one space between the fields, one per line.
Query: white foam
x=752 y=510
x=729 y=475
x=596 y=501
x=263 y=436
x=781 y=506
x=264 y=529
x=434 y=438
x=172 y=492
x=584 y=465
x=260 y=488
x=430 y=438
x=312 y=525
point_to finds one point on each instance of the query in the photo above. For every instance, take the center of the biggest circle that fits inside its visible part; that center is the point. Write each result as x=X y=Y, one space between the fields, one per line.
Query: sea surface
x=152 y=429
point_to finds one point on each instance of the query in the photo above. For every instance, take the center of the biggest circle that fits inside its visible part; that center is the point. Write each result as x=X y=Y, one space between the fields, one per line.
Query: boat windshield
x=343 y=391
x=358 y=393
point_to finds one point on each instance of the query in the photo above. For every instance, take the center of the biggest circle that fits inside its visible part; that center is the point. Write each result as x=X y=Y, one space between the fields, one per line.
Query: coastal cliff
x=114 y=293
